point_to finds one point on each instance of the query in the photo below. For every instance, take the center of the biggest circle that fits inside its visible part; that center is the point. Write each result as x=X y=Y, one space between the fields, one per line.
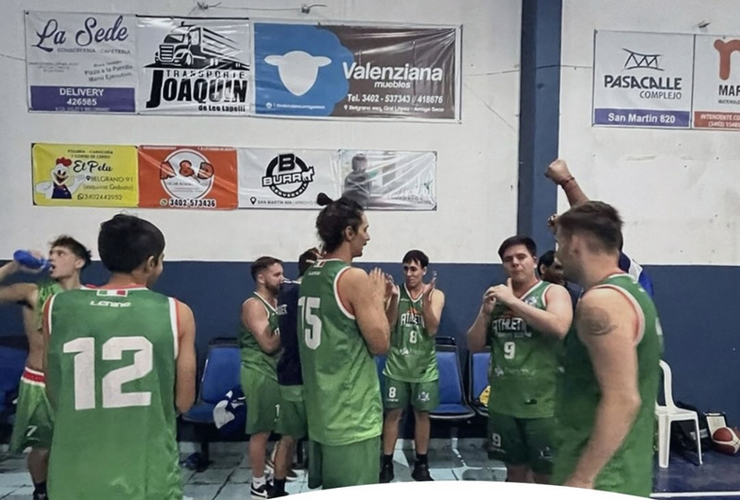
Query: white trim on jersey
x=530 y=290
x=173 y=324
x=48 y=314
x=544 y=295
x=414 y=300
x=336 y=294
x=635 y=305
x=266 y=302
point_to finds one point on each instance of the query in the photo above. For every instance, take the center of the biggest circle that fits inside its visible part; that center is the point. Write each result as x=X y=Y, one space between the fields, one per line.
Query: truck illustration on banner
x=190 y=46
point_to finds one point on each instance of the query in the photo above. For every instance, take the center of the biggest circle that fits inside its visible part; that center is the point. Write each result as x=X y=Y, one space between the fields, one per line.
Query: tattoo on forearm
x=596 y=321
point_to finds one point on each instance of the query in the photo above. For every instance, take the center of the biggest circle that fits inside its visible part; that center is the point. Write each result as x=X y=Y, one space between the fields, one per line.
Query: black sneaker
x=421 y=472
x=386 y=473
x=264 y=491
x=40 y=496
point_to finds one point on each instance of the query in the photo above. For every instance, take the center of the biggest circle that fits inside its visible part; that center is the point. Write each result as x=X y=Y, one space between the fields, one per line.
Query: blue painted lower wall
x=697 y=305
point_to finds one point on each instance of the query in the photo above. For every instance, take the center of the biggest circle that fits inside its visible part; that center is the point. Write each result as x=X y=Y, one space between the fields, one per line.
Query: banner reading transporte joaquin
x=642 y=79
x=85 y=175
x=332 y=70
x=194 y=66
x=81 y=62
x=377 y=180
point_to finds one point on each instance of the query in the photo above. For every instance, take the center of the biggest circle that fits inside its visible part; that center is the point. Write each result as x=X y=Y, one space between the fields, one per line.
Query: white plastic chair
x=671 y=413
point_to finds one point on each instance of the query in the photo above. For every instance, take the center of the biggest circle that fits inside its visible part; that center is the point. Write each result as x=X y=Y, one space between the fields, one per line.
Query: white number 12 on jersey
x=113 y=396
x=312 y=334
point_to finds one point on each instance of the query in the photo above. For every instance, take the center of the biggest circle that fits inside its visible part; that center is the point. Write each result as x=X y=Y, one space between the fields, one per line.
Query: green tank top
x=46 y=289
x=630 y=471
x=111 y=372
x=340 y=378
x=412 y=357
x=524 y=362
x=253 y=357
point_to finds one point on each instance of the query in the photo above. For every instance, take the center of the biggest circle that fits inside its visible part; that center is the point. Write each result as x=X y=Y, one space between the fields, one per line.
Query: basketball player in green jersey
x=342 y=324
x=120 y=363
x=525 y=321
x=606 y=401
x=259 y=339
x=33 y=425
x=411 y=374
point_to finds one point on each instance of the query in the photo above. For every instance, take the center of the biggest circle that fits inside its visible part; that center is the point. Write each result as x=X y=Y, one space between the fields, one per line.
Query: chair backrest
x=221 y=372
x=450 y=379
x=667 y=385
x=479 y=362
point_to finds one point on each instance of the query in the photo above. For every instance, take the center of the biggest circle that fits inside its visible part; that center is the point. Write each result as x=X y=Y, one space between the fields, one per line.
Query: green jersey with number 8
x=111 y=371
x=340 y=378
x=412 y=357
x=524 y=362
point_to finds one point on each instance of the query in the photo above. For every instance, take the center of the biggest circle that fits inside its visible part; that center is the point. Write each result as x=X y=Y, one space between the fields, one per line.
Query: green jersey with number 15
x=340 y=378
x=111 y=371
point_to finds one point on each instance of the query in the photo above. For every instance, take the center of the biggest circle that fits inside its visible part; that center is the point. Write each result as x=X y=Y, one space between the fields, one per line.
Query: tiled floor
x=228 y=477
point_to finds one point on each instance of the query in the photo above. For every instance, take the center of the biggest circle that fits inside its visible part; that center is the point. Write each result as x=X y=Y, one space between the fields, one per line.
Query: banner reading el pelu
x=85 y=175
x=356 y=71
x=377 y=180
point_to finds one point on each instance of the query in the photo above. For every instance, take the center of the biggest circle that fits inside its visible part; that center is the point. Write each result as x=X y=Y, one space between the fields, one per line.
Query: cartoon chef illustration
x=63 y=185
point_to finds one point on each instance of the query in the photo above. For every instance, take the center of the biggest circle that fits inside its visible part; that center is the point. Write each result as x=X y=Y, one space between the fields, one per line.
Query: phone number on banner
x=396 y=98
x=185 y=203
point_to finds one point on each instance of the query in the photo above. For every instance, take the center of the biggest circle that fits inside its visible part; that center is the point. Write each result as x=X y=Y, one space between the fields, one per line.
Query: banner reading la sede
x=356 y=71
x=642 y=79
x=81 y=62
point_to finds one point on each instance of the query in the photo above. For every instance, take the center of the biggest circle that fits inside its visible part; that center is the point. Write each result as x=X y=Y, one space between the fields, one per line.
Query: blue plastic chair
x=451 y=394
x=479 y=362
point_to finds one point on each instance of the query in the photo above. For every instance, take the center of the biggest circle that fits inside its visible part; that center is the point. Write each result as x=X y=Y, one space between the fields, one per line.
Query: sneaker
x=264 y=491
x=281 y=494
x=421 y=472
x=386 y=473
x=291 y=475
x=40 y=496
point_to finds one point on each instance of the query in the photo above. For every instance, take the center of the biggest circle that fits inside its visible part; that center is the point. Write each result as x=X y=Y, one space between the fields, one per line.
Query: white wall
x=678 y=191
x=477 y=170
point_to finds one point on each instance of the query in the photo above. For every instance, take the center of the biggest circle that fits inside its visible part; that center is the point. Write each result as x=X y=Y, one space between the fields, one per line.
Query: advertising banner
x=390 y=180
x=82 y=175
x=642 y=79
x=194 y=66
x=717 y=82
x=81 y=62
x=187 y=177
x=356 y=71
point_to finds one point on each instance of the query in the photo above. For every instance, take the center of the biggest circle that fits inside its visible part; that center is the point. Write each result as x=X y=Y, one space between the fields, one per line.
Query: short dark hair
x=518 y=240
x=416 y=256
x=126 y=242
x=547 y=258
x=307 y=259
x=263 y=263
x=334 y=218
x=596 y=219
x=75 y=247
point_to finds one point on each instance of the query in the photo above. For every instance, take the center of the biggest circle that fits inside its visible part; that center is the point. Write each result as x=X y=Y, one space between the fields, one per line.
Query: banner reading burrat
x=84 y=175
x=187 y=177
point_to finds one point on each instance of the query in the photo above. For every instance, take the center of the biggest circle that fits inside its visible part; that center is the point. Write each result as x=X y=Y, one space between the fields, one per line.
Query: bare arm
x=560 y=174
x=365 y=294
x=17 y=292
x=433 y=303
x=477 y=332
x=391 y=310
x=607 y=325
x=555 y=320
x=256 y=320
x=186 y=362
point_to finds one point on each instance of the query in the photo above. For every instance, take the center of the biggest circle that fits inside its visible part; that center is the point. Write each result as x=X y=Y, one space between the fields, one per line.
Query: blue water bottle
x=27 y=259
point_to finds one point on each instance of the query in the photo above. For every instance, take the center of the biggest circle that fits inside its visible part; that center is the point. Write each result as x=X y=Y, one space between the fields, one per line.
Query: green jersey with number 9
x=340 y=378
x=111 y=371
x=524 y=362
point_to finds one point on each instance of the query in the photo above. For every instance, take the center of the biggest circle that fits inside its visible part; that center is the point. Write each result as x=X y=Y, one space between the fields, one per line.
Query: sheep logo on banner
x=298 y=70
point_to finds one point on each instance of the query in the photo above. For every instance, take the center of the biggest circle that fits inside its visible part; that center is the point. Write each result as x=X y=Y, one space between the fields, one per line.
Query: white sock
x=258 y=482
